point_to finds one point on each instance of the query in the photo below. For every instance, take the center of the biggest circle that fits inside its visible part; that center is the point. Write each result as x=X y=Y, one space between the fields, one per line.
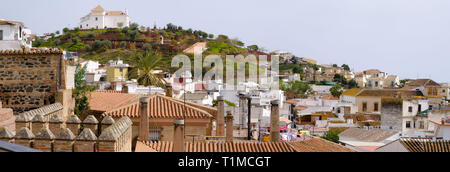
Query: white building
x=99 y=18
x=14 y=35
x=374 y=78
x=442 y=128
x=413 y=123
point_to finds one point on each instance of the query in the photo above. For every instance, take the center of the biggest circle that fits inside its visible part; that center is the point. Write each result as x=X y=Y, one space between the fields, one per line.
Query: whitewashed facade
x=14 y=35
x=99 y=18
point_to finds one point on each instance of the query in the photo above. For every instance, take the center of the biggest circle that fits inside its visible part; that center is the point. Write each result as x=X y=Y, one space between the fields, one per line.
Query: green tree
x=346 y=67
x=352 y=84
x=210 y=36
x=65 y=30
x=332 y=135
x=147 y=47
x=144 y=68
x=336 y=91
x=81 y=91
x=403 y=83
x=253 y=47
x=315 y=69
x=57 y=32
x=297 y=88
x=91 y=35
x=123 y=44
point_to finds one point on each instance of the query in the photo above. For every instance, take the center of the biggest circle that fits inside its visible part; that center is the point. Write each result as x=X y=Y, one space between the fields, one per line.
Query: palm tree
x=315 y=68
x=144 y=68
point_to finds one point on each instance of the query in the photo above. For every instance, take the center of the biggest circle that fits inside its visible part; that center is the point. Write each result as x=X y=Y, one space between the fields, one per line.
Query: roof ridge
x=180 y=103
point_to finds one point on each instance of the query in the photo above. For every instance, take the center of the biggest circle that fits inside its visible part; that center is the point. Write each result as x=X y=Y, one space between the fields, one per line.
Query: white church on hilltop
x=99 y=18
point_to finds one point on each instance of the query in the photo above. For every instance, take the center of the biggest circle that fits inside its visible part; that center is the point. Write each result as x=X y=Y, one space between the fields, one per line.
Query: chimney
x=229 y=117
x=169 y=90
x=220 y=123
x=178 y=135
x=275 y=122
x=144 y=130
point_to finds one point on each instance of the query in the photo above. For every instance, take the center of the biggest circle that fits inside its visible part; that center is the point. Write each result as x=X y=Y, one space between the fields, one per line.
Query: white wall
x=443 y=131
x=89 y=22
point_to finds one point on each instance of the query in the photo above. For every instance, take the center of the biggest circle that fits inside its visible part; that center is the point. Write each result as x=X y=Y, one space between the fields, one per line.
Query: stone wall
x=56 y=136
x=392 y=116
x=29 y=79
x=7 y=119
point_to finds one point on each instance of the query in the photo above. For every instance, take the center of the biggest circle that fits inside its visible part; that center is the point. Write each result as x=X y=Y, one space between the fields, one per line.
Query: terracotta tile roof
x=31 y=51
x=390 y=93
x=142 y=147
x=115 y=13
x=209 y=109
x=217 y=146
x=105 y=101
x=108 y=91
x=98 y=8
x=160 y=107
x=3 y=22
x=422 y=145
x=313 y=145
x=440 y=123
x=300 y=108
x=318 y=145
x=369 y=148
x=202 y=45
x=362 y=135
x=371 y=71
x=422 y=82
x=391 y=77
x=352 y=92
x=329 y=97
x=292 y=101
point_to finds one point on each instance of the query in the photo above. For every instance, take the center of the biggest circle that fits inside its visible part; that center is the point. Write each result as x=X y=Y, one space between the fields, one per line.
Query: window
x=1 y=34
x=408 y=124
x=376 y=83
x=364 y=106
x=375 y=107
x=154 y=133
x=96 y=19
x=81 y=26
x=421 y=125
x=121 y=70
x=410 y=109
x=432 y=91
x=339 y=110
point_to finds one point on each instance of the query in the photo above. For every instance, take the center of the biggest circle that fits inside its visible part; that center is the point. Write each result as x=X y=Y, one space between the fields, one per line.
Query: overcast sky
x=409 y=38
